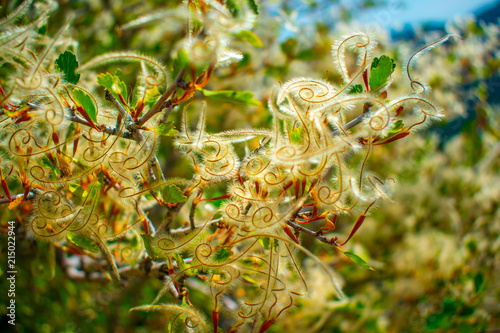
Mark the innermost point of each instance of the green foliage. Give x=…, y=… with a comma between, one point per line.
x=357, y=259
x=381, y=70
x=84, y=100
x=167, y=129
x=297, y=135
x=222, y=254
x=114, y=84
x=67, y=63
x=151, y=246
x=82, y=242
x=356, y=89
x=269, y=203
x=233, y=97
x=172, y=194
x=250, y=37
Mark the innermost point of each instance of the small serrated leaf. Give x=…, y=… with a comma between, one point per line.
x=172, y=194
x=67, y=63
x=166, y=129
x=381, y=70
x=114, y=84
x=231, y=96
x=151, y=246
x=358, y=260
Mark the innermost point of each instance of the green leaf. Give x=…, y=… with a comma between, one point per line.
x=46, y=162
x=152, y=95
x=222, y=254
x=254, y=6
x=172, y=194
x=356, y=89
x=166, y=129
x=288, y=47
x=250, y=280
x=478, y=282
x=114, y=84
x=83, y=99
x=231, y=96
x=307, y=54
x=234, y=7
x=151, y=246
x=245, y=61
x=180, y=62
x=67, y=63
x=381, y=70
x=297, y=135
x=77, y=190
x=250, y=37
x=358, y=260
x=397, y=127
x=82, y=242
x=71, y=130
x=183, y=266
x=266, y=243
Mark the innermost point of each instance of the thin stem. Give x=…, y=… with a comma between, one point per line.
x=318, y=236
x=158, y=106
x=122, y=113
x=4, y=200
x=109, y=258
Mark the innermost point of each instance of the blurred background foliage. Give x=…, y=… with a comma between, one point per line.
x=435, y=249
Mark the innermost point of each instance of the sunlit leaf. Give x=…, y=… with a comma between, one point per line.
x=84, y=100
x=395, y=133
x=152, y=95
x=250, y=37
x=82, y=242
x=358, y=260
x=114, y=84
x=381, y=70
x=172, y=194
x=166, y=129
x=231, y=96
x=15, y=202
x=297, y=135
